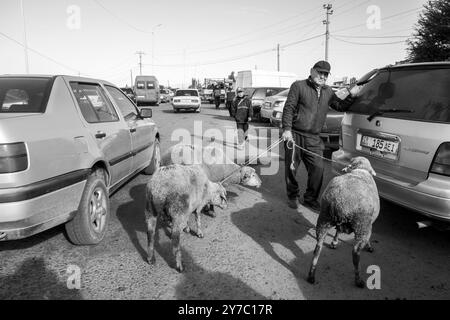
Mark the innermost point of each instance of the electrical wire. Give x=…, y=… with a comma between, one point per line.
x=367, y=44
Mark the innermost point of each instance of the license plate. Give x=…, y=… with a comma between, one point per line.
x=379, y=144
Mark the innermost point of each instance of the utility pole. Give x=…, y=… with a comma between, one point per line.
x=25, y=47
x=326, y=23
x=278, y=57
x=131, y=78
x=140, y=53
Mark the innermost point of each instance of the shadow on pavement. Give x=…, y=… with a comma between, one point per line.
x=29, y=281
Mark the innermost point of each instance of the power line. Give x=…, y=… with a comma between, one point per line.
x=375, y=37
x=120, y=19
x=39, y=53
x=368, y=44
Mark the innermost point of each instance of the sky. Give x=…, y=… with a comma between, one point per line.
x=201, y=39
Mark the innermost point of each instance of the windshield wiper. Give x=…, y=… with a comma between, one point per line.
x=380, y=112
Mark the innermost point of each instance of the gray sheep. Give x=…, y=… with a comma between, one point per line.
x=351, y=204
x=214, y=162
x=173, y=193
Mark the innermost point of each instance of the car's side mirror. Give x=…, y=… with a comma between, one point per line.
x=146, y=113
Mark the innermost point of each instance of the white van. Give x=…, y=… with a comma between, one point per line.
x=146, y=89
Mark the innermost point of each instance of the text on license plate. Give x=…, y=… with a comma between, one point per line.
x=379, y=144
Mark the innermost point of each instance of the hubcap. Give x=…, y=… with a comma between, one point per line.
x=97, y=209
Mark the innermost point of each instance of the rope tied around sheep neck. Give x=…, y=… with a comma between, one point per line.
x=273, y=145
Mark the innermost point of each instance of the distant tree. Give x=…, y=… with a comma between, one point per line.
x=431, y=40
x=231, y=76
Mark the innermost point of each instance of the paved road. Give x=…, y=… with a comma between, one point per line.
x=258, y=248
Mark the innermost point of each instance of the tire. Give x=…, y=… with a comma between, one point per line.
x=176, y=110
x=89, y=225
x=198, y=110
x=155, y=162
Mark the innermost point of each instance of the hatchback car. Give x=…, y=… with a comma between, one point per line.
x=401, y=123
x=187, y=99
x=66, y=144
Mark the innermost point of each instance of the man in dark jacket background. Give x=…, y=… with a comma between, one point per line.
x=304, y=114
x=243, y=112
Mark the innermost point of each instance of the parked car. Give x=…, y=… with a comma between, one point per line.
x=330, y=131
x=257, y=97
x=272, y=101
x=67, y=143
x=401, y=123
x=187, y=99
x=130, y=93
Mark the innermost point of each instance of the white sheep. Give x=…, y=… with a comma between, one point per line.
x=351, y=204
x=173, y=193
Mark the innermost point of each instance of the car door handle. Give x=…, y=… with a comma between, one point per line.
x=132, y=129
x=100, y=135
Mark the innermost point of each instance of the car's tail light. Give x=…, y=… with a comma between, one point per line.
x=441, y=163
x=176, y=100
x=341, y=144
x=278, y=103
x=13, y=157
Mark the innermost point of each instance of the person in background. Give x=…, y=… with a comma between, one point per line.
x=229, y=101
x=243, y=112
x=216, y=94
x=304, y=114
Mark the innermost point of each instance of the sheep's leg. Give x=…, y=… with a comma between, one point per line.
x=368, y=246
x=356, y=257
x=152, y=220
x=176, y=234
x=321, y=232
x=335, y=240
x=199, y=223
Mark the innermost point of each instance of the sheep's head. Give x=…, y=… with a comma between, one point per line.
x=359, y=163
x=249, y=177
x=219, y=196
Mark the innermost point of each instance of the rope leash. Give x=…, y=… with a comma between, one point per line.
x=273, y=145
x=310, y=152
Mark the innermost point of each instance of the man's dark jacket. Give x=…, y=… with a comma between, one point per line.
x=305, y=112
x=242, y=109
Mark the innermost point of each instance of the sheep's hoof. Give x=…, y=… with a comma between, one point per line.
x=151, y=260
x=333, y=245
x=180, y=267
x=370, y=249
x=359, y=283
x=187, y=230
x=312, y=279
x=200, y=234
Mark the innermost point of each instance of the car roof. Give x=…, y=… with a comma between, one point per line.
x=67, y=77
x=417, y=64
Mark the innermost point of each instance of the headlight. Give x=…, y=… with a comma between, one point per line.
x=278, y=103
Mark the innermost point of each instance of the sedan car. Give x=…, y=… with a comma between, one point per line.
x=187, y=99
x=400, y=121
x=165, y=96
x=66, y=144
x=330, y=131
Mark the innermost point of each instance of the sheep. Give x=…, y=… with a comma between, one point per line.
x=216, y=165
x=173, y=193
x=350, y=203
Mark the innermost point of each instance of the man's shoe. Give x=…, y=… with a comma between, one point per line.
x=293, y=203
x=313, y=205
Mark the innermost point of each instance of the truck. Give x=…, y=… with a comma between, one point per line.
x=208, y=88
x=264, y=78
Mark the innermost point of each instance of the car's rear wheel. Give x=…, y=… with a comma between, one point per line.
x=90, y=223
x=155, y=162
x=176, y=110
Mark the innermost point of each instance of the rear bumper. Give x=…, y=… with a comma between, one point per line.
x=186, y=106
x=430, y=197
x=30, y=209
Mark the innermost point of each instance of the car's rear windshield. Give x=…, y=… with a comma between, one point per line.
x=283, y=93
x=424, y=91
x=24, y=95
x=186, y=93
